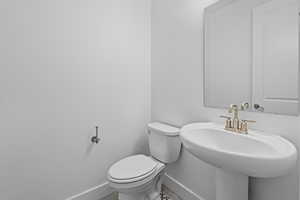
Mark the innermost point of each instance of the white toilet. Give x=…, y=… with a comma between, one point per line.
x=139, y=177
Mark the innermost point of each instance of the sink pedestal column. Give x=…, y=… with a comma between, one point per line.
x=231, y=185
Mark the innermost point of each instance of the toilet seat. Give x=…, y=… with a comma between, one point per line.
x=132, y=169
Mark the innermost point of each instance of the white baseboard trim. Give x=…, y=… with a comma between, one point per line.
x=103, y=190
x=182, y=191
x=94, y=193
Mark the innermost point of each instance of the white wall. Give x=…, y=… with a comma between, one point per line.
x=176, y=58
x=65, y=67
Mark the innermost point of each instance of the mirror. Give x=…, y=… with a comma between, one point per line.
x=251, y=55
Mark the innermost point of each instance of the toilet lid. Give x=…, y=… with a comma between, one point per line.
x=132, y=167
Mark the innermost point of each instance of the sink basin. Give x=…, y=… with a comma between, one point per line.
x=255, y=154
x=238, y=156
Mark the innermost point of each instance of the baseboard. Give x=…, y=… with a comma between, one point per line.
x=181, y=190
x=94, y=193
x=103, y=190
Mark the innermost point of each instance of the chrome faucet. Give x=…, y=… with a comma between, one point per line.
x=235, y=124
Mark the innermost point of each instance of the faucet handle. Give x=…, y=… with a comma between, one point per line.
x=244, y=125
x=225, y=117
x=248, y=121
x=228, y=123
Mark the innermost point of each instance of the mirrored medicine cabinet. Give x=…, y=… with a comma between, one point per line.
x=251, y=54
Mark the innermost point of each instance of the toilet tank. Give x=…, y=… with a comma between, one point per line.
x=164, y=142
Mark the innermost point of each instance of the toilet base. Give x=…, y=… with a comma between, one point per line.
x=151, y=192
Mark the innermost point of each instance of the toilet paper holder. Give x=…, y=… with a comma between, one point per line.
x=95, y=138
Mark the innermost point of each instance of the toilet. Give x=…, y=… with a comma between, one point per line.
x=139, y=177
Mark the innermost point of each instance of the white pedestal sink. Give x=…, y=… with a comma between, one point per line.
x=238, y=156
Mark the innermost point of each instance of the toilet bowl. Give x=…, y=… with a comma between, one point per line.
x=136, y=177
x=139, y=177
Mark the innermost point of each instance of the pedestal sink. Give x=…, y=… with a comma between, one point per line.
x=238, y=156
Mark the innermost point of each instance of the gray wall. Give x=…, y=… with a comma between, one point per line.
x=65, y=67
x=177, y=98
